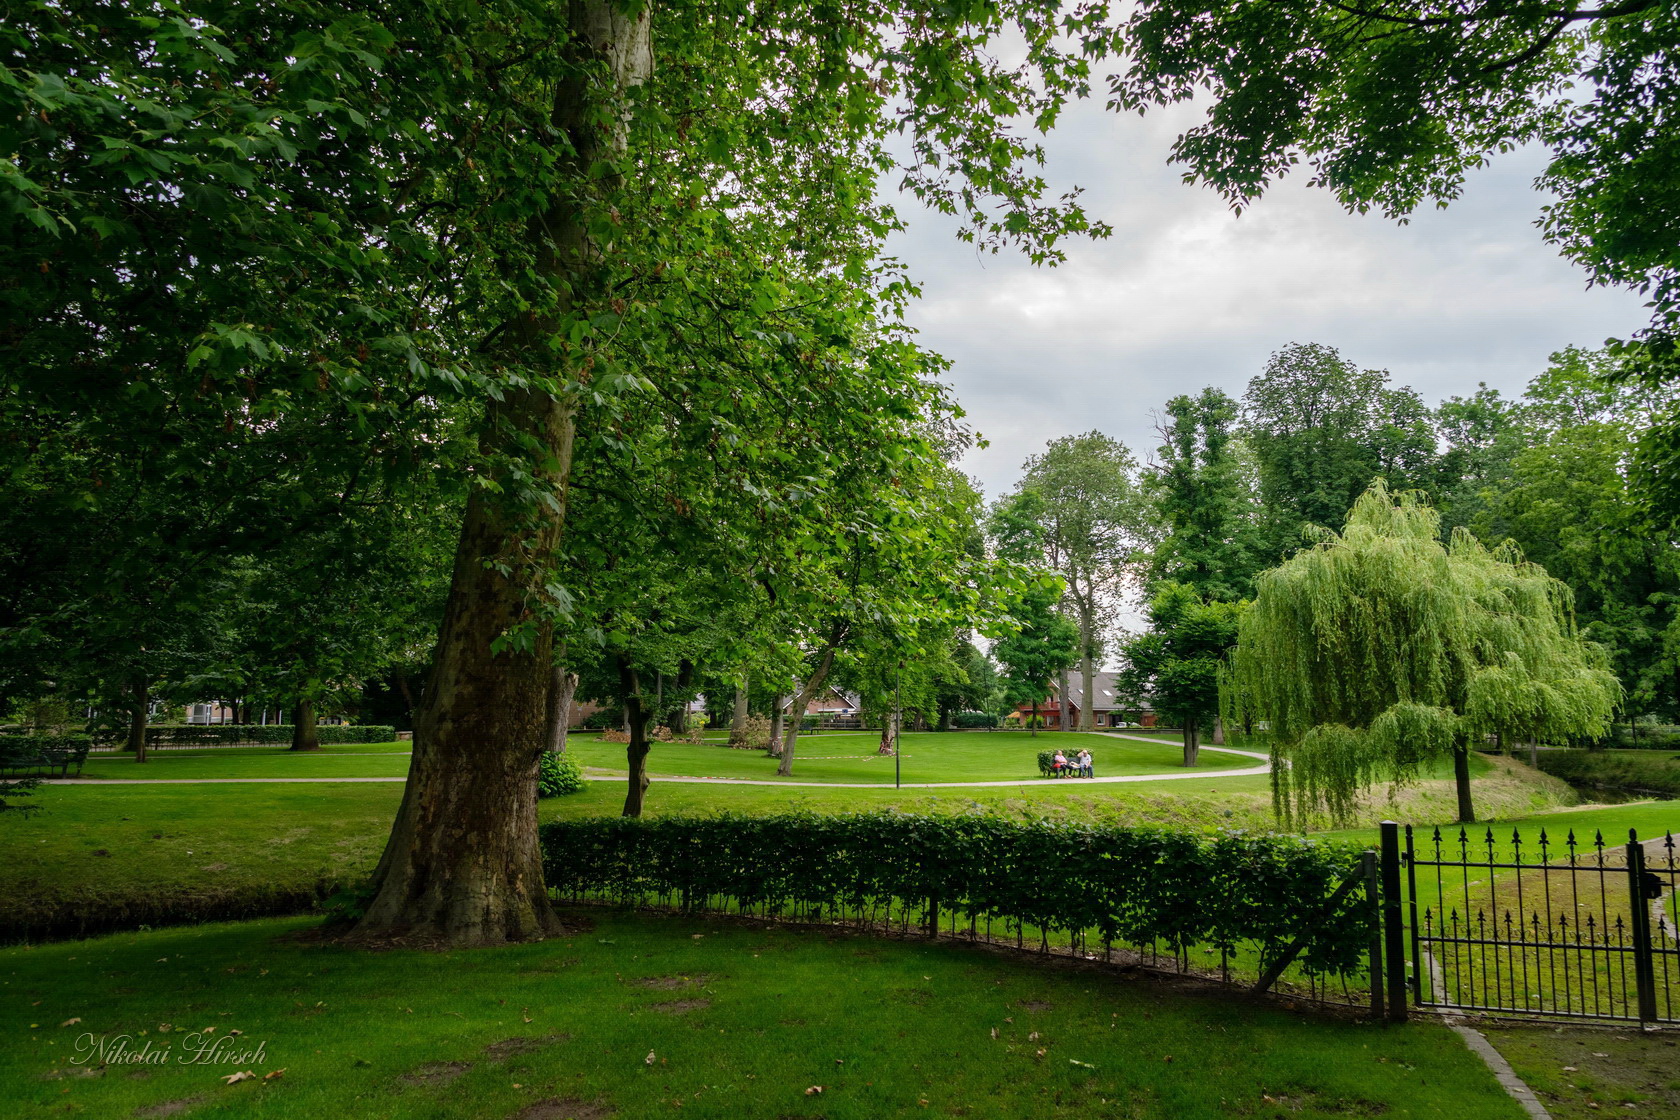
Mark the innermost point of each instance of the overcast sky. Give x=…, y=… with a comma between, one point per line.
x=1185, y=294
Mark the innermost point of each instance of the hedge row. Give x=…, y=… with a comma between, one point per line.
x=48, y=915
x=1126, y=886
x=232, y=734
x=38, y=752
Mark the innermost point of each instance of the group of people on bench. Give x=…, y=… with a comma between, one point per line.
x=1077, y=767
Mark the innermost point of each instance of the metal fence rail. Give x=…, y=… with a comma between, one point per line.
x=1577, y=929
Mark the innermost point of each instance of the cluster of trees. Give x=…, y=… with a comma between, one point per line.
x=594, y=293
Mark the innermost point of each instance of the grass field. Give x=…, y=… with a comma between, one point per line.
x=827, y=757
x=640, y=1016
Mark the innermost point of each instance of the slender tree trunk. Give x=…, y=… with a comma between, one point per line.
x=1218, y=738
x=137, y=715
x=463, y=866
x=1088, y=681
x=408, y=698
x=636, y=751
x=738, y=716
x=1192, y=740
x=1534, y=753
x=774, y=746
x=562, y=686
x=1034, y=724
x=1461, y=778
x=304, y=735
x=1064, y=703
x=806, y=694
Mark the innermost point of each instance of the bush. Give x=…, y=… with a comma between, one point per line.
x=974, y=719
x=165, y=735
x=559, y=775
x=1131, y=886
x=603, y=719
x=36, y=753
x=754, y=736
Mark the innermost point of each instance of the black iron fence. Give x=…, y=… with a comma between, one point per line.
x=1542, y=927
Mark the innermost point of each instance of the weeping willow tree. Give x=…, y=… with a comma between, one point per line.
x=1381, y=648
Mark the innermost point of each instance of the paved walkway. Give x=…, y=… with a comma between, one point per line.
x=1263, y=768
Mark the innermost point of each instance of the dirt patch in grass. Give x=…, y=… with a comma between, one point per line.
x=1579, y=1072
x=682, y=1006
x=568, y=1108
x=670, y=983
x=166, y=1108
x=435, y=1073
x=519, y=1044
x=1034, y=1004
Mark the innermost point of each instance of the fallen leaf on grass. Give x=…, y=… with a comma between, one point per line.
x=242, y=1075
x=813, y=1090
x=1077, y=1062
x=994, y=1032
x=1595, y=1055
x=275, y=1074
x=1033, y=1037
x=1569, y=1069
x=73, y=1022
x=649, y=1059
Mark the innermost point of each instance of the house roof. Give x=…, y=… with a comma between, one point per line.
x=1102, y=683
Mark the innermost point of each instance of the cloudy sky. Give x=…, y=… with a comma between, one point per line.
x=1184, y=294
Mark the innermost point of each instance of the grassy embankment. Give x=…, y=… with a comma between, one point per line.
x=1635, y=771
x=639, y=1016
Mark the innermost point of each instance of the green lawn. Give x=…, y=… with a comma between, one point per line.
x=954, y=756
x=643, y=1016
x=838, y=757
x=351, y=760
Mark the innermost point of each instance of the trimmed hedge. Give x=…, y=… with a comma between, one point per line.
x=1126, y=886
x=164, y=735
x=968, y=720
x=35, y=753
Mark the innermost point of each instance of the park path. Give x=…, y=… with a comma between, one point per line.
x=1264, y=768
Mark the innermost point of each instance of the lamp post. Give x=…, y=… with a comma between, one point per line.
x=898, y=722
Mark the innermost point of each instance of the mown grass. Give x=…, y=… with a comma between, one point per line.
x=115, y=857
x=353, y=760
x=1579, y=1073
x=641, y=1016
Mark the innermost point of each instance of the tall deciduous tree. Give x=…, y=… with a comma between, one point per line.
x=1196, y=489
x=1177, y=663
x=1322, y=429
x=1094, y=520
x=1381, y=647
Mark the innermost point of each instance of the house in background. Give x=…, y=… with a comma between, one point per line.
x=1107, y=710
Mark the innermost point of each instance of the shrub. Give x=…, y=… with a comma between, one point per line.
x=603, y=719
x=974, y=719
x=1129, y=886
x=559, y=775
x=753, y=736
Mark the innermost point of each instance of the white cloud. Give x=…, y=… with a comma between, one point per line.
x=1186, y=294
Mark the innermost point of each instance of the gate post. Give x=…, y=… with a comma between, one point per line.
x=1394, y=931
x=1373, y=910
x=1644, y=968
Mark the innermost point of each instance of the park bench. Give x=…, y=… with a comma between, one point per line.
x=1047, y=766
x=42, y=755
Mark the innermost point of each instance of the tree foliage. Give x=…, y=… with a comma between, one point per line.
x=1382, y=647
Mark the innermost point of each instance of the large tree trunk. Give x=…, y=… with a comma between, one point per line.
x=1218, y=737
x=1192, y=740
x=305, y=737
x=738, y=717
x=562, y=686
x=462, y=866
x=1461, y=777
x=803, y=698
x=137, y=716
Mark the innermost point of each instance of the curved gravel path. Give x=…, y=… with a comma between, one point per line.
x=1264, y=768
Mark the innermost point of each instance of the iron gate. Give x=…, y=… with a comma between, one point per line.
x=1573, y=929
